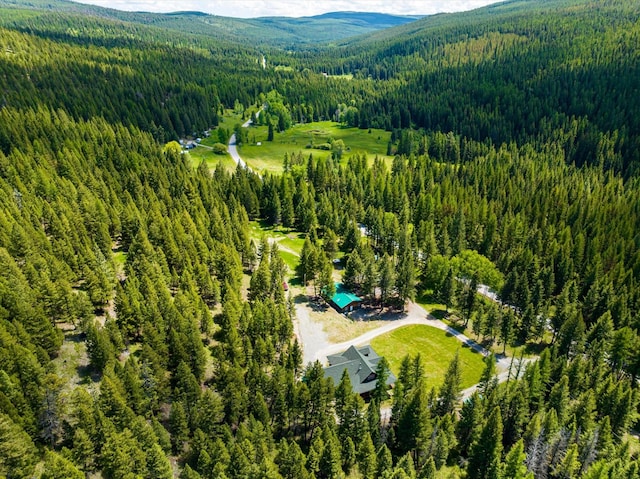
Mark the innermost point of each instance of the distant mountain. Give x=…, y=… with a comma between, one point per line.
x=282, y=32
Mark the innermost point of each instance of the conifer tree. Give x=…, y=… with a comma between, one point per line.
x=387, y=279
x=58, y=467
x=450, y=391
x=367, y=460
x=447, y=290
x=514, y=464
x=484, y=459
x=17, y=451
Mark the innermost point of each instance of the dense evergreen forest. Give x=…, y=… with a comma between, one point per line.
x=515, y=130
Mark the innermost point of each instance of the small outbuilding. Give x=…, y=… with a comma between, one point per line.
x=360, y=364
x=344, y=300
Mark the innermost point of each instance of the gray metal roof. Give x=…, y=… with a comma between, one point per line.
x=360, y=364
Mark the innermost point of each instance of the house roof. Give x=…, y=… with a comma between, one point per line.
x=360, y=364
x=344, y=297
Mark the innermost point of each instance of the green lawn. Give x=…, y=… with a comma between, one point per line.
x=436, y=348
x=269, y=155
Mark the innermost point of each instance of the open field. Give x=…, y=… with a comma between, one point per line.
x=436, y=348
x=200, y=154
x=268, y=157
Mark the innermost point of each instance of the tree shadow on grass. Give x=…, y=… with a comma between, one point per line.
x=439, y=313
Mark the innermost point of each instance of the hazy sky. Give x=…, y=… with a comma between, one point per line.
x=293, y=8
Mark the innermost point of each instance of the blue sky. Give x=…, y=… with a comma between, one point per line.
x=293, y=8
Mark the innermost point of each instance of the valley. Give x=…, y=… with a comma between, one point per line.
x=257, y=248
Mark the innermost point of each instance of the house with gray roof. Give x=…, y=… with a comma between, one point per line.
x=360, y=364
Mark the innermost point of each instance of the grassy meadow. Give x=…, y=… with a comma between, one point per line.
x=269, y=155
x=199, y=154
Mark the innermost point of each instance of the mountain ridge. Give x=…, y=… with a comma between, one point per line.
x=276, y=31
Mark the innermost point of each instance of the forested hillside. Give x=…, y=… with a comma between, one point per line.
x=564, y=71
x=130, y=345
x=281, y=32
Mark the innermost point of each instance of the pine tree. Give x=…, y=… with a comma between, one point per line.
x=570, y=464
x=260, y=285
x=414, y=425
x=17, y=451
x=385, y=461
x=468, y=427
x=308, y=261
x=291, y=461
x=83, y=452
x=325, y=280
x=58, y=467
x=448, y=290
x=428, y=470
x=367, y=460
x=380, y=394
x=507, y=327
x=330, y=466
x=179, y=427
x=484, y=459
x=188, y=473
x=488, y=373
x=387, y=279
x=406, y=277
x=353, y=271
x=514, y=464
x=450, y=392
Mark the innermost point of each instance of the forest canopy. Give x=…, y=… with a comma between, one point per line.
x=145, y=332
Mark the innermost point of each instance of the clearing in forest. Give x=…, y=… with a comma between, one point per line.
x=311, y=138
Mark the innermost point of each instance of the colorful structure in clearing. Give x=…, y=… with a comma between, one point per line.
x=344, y=300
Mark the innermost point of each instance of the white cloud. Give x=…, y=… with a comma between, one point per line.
x=293, y=8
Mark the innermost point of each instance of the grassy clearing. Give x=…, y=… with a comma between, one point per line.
x=289, y=243
x=346, y=76
x=287, y=238
x=340, y=328
x=229, y=121
x=293, y=241
x=292, y=261
x=269, y=155
x=436, y=348
x=71, y=365
x=120, y=258
x=428, y=301
x=200, y=154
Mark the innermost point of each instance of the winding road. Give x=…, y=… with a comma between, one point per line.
x=316, y=345
x=233, y=145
